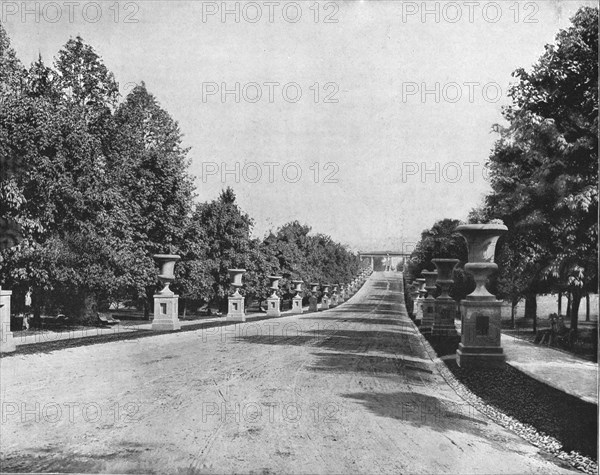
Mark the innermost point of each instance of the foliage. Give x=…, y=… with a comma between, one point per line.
x=441, y=241
x=95, y=186
x=544, y=167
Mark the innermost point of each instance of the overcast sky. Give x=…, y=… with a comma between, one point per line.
x=362, y=155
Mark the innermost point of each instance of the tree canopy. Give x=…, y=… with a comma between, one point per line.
x=96, y=184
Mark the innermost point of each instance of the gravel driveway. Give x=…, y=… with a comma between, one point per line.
x=349, y=390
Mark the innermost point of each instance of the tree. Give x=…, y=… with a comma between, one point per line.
x=544, y=166
x=441, y=241
x=149, y=165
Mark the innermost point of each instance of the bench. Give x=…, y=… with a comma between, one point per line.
x=107, y=319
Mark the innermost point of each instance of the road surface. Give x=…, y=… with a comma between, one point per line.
x=349, y=390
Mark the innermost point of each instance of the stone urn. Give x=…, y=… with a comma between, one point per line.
x=446, y=309
x=166, y=274
x=297, y=287
x=421, y=287
x=430, y=280
x=235, y=275
x=273, y=302
x=326, y=289
x=166, y=303
x=274, y=284
x=445, y=270
x=481, y=240
x=481, y=332
x=419, y=300
x=314, y=288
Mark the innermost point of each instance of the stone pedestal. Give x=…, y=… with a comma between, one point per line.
x=428, y=302
x=166, y=303
x=427, y=315
x=235, y=308
x=325, y=302
x=419, y=302
x=274, y=302
x=313, y=304
x=7, y=341
x=296, y=304
x=446, y=311
x=481, y=331
x=166, y=311
x=273, y=307
x=481, y=312
x=445, y=306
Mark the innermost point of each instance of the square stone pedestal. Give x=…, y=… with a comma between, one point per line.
x=446, y=311
x=325, y=303
x=166, y=316
x=296, y=305
x=427, y=315
x=235, y=309
x=313, y=305
x=334, y=301
x=342, y=297
x=273, y=308
x=7, y=341
x=480, y=341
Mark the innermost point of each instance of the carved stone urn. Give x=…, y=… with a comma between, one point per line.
x=419, y=301
x=325, y=298
x=274, y=302
x=274, y=284
x=166, y=273
x=235, y=309
x=445, y=307
x=166, y=303
x=334, y=295
x=235, y=275
x=481, y=328
x=481, y=240
x=297, y=300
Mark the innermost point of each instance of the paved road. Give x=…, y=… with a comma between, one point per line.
x=350, y=390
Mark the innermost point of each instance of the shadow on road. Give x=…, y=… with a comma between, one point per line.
x=422, y=410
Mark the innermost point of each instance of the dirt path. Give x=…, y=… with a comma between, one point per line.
x=350, y=390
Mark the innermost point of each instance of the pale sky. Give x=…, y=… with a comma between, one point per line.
x=361, y=157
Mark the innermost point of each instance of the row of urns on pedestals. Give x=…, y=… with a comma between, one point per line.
x=480, y=312
x=166, y=275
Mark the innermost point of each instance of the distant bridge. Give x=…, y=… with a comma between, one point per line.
x=391, y=259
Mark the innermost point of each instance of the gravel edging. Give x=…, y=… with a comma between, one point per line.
x=525, y=431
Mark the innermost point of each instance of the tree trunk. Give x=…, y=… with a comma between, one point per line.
x=587, y=307
x=569, y=301
x=36, y=303
x=86, y=307
x=531, y=309
x=559, y=303
x=575, y=309
x=149, y=304
x=513, y=311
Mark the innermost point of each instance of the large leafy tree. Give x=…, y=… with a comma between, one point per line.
x=79, y=247
x=149, y=166
x=94, y=188
x=544, y=167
